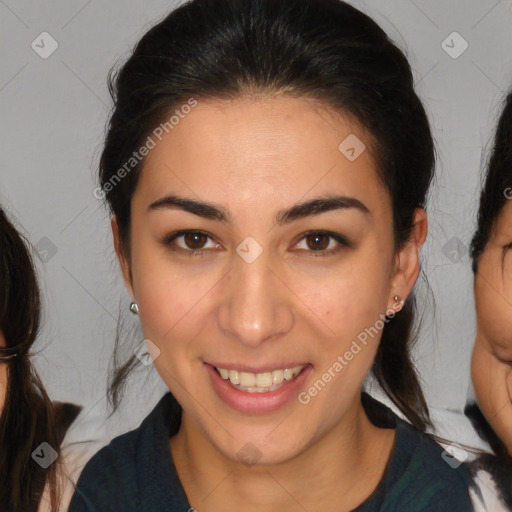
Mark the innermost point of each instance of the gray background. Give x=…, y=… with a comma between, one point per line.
x=53, y=115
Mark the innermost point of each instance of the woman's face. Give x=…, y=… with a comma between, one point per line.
x=260, y=295
x=493, y=287
x=492, y=356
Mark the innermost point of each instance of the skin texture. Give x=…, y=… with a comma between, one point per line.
x=491, y=364
x=254, y=158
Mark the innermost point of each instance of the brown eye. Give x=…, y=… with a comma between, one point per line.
x=318, y=241
x=195, y=240
x=193, y=243
x=322, y=243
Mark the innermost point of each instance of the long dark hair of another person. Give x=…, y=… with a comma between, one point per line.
x=28, y=417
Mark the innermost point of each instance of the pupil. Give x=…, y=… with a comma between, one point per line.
x=318, y=241
x=194, y=238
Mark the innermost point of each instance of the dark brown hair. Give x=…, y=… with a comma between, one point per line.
x=28, y=418
x=497, y=187
x=323, y=50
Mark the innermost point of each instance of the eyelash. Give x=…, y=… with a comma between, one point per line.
x=342, y=241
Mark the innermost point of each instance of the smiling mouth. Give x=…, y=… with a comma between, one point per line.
x=260, y=382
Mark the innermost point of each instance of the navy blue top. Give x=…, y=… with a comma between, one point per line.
x=135, y=473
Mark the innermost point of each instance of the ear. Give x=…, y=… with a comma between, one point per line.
x=407, y=262
x=124, y=263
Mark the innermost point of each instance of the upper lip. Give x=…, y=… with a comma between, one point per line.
x=256, y=369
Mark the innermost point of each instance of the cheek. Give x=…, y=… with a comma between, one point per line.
x=170, y=301
x=363, y=288
x=493, y=301
x=351, y=303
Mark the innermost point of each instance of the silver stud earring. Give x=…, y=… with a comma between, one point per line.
x=396, y=298
x=134, y=308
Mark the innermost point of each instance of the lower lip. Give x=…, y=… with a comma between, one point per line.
x=256, y=402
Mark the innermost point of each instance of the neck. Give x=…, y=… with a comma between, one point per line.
x=339, y=471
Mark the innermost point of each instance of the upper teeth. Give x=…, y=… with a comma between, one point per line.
x=263, y=381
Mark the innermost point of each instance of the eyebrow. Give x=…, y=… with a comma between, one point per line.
x=211, y=211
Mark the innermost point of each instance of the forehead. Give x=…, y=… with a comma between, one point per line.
x=256, y=150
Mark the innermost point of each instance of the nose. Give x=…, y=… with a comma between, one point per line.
x=256, y=305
